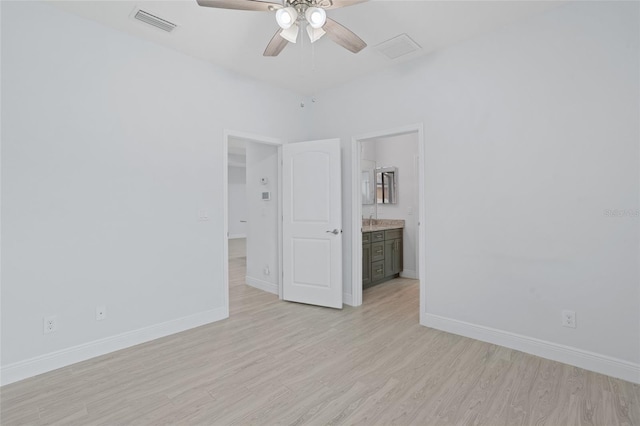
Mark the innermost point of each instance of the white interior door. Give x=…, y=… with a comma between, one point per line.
x=312, y=223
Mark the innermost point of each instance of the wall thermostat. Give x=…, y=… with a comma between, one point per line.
x=264, y=180
x=266, y=196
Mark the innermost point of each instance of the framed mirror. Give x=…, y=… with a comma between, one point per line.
x=386, y=185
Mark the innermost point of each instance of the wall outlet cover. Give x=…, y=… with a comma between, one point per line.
x=569, y=319
x=50, y=324
x=101, y=313
x=203, y=215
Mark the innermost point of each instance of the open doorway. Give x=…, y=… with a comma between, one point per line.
x=252, y=193
x=293, y=194
x=388, y=208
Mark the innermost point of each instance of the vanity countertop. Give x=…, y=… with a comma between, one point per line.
x=381, y=224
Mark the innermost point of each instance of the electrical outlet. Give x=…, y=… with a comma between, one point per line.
x=569, y=319
x=266, y=270
x=203, y=215
x=101, y=313
x=49, y=324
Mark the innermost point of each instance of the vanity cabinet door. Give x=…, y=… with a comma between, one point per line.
x=393, y=257
x=399, y=256
x=366, y=264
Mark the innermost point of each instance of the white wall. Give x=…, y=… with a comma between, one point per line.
x=238, y=210
x=532, y=133
x=402, y=151
x=110, y=147
x=262, y=229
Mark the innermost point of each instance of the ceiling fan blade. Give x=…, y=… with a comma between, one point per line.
x=276, y=45
x=344, y=36
x=261, y=6
x=335, y=4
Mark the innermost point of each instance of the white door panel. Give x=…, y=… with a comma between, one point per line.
x=312, y=251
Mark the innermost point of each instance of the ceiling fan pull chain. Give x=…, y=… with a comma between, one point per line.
x=302, y=49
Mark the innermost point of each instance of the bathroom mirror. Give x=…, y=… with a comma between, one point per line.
x=386, y=183
x=367, y=182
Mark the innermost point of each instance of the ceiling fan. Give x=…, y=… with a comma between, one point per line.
x=291, y=15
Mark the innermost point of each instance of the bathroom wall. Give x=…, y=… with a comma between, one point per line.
x=368, y=188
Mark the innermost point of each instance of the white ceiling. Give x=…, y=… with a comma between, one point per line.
x=236, y=39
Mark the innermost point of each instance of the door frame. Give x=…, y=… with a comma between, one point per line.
x=356, y=208
x=225, y=198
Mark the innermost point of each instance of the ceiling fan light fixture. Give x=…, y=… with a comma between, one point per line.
x=316, y=17
x=315, y=34
x=286, y=17
x=290, y=34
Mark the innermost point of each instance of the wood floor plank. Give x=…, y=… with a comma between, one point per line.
x=274, y=362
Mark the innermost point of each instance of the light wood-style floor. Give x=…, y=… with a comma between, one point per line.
x=274, y=362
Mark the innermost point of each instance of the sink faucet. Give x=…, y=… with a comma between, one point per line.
x=371, y=219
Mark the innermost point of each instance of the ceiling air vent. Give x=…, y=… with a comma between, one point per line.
x=398, y=46
x=153, y=20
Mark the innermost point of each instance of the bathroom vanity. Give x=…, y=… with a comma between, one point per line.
x=381, y=250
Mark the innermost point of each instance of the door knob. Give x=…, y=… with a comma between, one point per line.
x=334, y=232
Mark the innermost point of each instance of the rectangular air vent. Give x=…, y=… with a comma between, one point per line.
x=153, y=20
x=398, y=46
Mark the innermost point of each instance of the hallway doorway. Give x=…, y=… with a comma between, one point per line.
x=252, y=226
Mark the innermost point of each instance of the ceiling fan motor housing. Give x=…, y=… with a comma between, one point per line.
x=301, y=6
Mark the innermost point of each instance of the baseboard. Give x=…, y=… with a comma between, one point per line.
x=262, y=285
x=237, y=236
x=347, y=299
x=409, y=274
x=610, y=366
x=44, y=363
